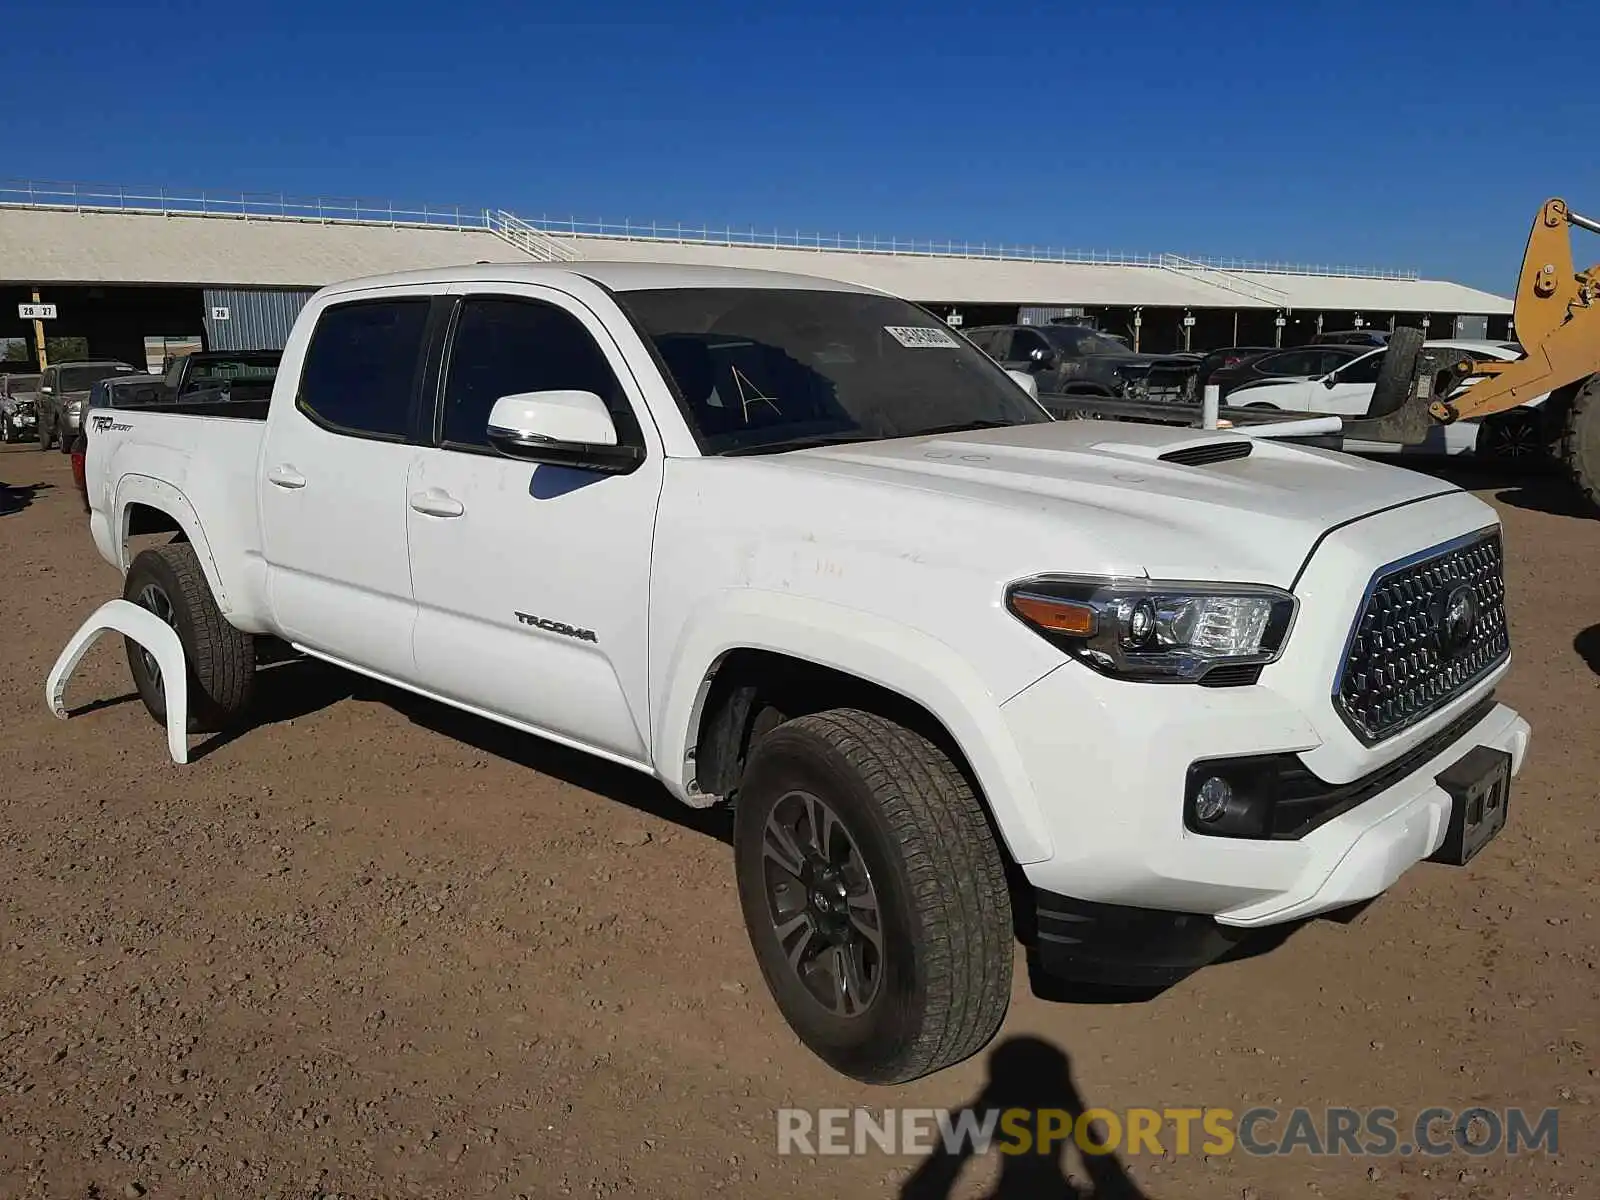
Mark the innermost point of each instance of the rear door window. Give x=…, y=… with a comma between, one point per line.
x=1295, y=362
x=361, y=368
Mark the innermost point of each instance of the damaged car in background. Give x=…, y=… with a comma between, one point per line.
x=1075, y=360
x=19, y=407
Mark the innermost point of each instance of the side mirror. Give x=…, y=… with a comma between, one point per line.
x=1026, y=382
x=568, y=429
x=1041, y=358
x=1331, y=378
x=46, y=390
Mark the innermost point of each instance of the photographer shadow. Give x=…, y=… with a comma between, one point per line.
x=1026, y=1073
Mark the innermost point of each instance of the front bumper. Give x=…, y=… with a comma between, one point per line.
x=1112, y=797
x=1109, y=760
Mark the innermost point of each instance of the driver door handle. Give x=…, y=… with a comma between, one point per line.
x=285, y=476
x=436, y=502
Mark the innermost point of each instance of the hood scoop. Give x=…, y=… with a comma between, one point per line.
x=1192, y=452
x=1207, y=453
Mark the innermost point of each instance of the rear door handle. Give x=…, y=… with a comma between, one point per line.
x=285, y=476
x=436, y=503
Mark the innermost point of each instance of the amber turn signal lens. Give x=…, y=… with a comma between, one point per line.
x=1055, y=616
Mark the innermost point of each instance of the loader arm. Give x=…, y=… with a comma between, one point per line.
x=1556, y=319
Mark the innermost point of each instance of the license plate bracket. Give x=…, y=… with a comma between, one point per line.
x=1479, y=786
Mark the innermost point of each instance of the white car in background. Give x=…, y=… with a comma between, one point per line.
x=1347, y=392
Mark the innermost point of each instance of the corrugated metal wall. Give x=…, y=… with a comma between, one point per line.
x=256, y=318
x=1033, y=314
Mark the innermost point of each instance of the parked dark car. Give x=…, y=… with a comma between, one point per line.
x=1228, y=356
x=19, y=407
x=1077, y=360
x=1301, y=362
x=63, y=393
x=1367, y=338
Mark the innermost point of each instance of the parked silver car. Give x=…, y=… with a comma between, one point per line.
x=63, y=393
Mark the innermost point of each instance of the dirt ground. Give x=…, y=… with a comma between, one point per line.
x=371, y=947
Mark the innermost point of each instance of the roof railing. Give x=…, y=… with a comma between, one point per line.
x=274, y=206
x=283, y=206
x=1228, y=281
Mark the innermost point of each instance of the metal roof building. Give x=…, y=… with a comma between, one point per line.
x=46, y=245
x=132, y=273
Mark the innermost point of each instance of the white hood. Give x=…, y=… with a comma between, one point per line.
x=1102, y=488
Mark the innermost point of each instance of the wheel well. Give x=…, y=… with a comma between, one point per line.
x=752, y=691
x=146, y=518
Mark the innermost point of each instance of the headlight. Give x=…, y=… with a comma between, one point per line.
x=75, y=407
x=1156, y=632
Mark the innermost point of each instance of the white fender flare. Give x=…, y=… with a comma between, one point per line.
x=903, y=660
x=156, y=636
x=164, y=497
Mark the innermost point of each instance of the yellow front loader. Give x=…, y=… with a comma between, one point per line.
x=1557, y=321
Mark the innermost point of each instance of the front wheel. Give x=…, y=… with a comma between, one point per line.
x=65, y=439
x=874, y=895
x=1580, y=441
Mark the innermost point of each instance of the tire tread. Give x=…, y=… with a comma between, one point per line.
x=221, y=659
x=1580, y=441
x=957, y=879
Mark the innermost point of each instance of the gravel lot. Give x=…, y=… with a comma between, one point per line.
x=375, y=948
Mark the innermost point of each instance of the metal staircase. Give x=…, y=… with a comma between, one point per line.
x=531, y=240
x=1229, y=281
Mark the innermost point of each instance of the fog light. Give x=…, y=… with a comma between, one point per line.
x=1211, y=801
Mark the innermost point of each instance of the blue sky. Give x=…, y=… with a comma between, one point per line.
x=1357, y=132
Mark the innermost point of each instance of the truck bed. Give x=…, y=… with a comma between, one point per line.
x=187, y=460
x=238, y=410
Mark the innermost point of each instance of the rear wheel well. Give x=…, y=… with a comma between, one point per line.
x=146, y=518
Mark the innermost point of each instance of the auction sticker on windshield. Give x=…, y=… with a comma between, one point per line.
x=918, y=336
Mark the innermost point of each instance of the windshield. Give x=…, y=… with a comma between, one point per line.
x=765, y=367
x=16, y=385
x=1079, y=341
x=81, y=379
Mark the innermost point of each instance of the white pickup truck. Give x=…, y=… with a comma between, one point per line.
x=962, y=671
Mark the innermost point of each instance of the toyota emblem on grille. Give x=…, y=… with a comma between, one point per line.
x=1457, y=618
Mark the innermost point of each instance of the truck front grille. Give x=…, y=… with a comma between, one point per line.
x=1430, y=627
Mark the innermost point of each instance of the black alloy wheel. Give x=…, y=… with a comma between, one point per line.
x=822, y=905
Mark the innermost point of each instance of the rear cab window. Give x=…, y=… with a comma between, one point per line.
x=361, y=368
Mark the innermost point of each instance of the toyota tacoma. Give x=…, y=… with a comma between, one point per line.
x=962, y=672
